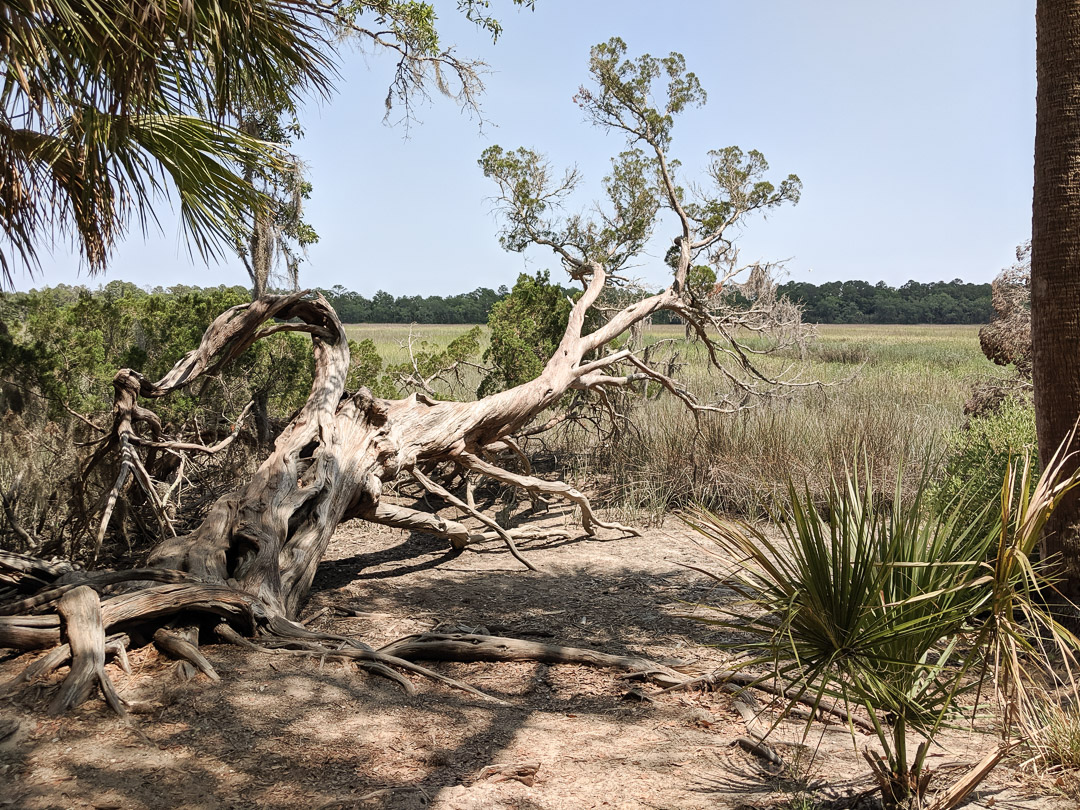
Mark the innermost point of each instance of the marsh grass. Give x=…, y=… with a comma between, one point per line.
x=1058, y=742
x=894, y=392
x=392, y=339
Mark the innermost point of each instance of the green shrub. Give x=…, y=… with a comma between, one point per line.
x=526, y=328
x=977, y=455
x=65, y=344
x=366, y=369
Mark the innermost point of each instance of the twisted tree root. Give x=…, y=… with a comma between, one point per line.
x=80, y=611
x=98, y=582
x=183, y=645
x=115, y=645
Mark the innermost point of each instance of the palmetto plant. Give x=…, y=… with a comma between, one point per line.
x=885, y=609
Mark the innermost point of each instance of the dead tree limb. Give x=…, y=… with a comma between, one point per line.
x=589, y=521
x=474, y=647
x=766, y=684
x=181, y=645
x=446, y=495
x=115, y=645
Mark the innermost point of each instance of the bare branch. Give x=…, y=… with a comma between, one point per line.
x=589, y=521
x=443, y=493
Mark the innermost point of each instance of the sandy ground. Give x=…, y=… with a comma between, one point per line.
x=281, y=732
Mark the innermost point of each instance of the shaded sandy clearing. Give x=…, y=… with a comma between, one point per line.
x=291, y=733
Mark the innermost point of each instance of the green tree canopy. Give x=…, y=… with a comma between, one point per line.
x=526, y=327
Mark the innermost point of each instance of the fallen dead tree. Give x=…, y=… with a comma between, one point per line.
x=246, y=570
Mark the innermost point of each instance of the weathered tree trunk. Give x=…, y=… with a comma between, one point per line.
x=80, y=610
x=331, y=462
x=1055, y=259
x=252, y=560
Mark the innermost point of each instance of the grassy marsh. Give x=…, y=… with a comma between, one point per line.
x=892, y=395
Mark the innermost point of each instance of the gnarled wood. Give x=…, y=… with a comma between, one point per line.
x=183, y=645
x=589, y=521
x=765, y=683
x=32, y=566
x=97, y=581
x=331, y=463
x=29, y=632
x=475, y=647
x=115, y=645
x=161, y=601
x=253, y=558
x=80, y=610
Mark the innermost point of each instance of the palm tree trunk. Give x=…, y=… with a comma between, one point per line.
x=1055, y=257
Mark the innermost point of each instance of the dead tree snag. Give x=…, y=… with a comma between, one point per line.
x=249, y=565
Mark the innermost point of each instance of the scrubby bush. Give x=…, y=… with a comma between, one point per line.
x=64, y=345
x=977, y=455
x=526, y=328
x=366, y=369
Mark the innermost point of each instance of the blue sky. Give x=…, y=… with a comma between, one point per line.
x=910, y=124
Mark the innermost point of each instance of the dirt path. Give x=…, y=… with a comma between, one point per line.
x=295, y=733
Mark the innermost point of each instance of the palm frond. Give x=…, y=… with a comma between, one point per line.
x=105, y=106
x=870, y=605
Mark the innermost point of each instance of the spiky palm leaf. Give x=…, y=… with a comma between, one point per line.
x=106, y=105
x=870, y=604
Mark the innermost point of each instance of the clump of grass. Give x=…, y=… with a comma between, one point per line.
x=1057, y=743
x=846, y=353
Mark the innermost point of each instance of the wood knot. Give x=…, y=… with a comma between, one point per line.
x=373, y=409
x=127, y=380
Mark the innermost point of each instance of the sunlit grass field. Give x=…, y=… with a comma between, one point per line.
x=951, y=348
x=392, y=339
x=889, y=399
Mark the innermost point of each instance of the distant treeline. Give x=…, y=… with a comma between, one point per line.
x=914, y=302
x=470, y=307
x=832, y=302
